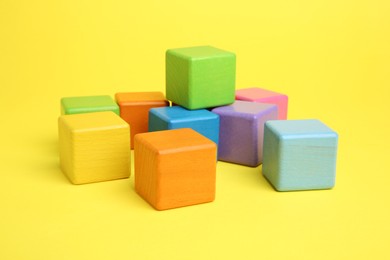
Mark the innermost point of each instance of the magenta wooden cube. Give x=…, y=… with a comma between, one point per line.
x=265, y=96
x=241, y=131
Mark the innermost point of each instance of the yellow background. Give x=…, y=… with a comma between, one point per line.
x=331, y=57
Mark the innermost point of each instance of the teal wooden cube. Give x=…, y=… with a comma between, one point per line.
x=200, y=77
x=299, y=155
x=88, y=104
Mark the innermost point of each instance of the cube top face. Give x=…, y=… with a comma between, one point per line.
x=200, y=77
x=87, y=104
x=137, y=97
x=245, y=109
x=265, y=96
x=200, y=52
x=311, y=128
x=93, y=121
x=171, y=141
x=253, y=94
x=178, y=114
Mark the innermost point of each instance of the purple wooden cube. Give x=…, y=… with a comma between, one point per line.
x=241, y=131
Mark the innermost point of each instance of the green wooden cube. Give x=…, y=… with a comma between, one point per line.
x=87, y=104
x=200, y=77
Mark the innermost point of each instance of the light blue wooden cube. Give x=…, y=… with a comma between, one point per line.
x=299, y=155
x=202, y=120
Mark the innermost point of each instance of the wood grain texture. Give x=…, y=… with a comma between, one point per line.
x=265, y=96
x=94, y=147
x=200, y=77
x=134, y=109
x=299, y=155
x=176, y=117
x=87, y=104
x=174, y=168
x=241, y=131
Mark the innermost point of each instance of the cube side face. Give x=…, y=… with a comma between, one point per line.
x=66, y=153
x=208, y=127
x=177, y=78
x=101, y=155
x=88, y=104
x=156, y=121
x=212, y=81
x=145, y=170
x=186, y=177
x=271, y=157
x=308, y=163
x=202, y=121
x=270, y=114
x=238, y=140
x=281, y=101
x=137, y=116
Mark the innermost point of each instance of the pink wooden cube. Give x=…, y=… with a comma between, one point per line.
x=265, y=96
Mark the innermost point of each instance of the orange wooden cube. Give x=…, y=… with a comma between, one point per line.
x=175, y=168
x=134, y=109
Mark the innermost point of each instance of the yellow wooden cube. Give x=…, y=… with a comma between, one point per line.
x=94, y=147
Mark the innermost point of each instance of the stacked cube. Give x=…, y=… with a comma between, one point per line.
x=176, y=147
x=197, y=78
